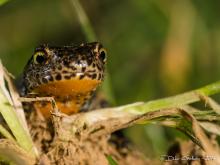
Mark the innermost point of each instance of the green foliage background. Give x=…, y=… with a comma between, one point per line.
x=156, y=48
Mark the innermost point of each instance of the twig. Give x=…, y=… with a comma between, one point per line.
x=56, y=114
x=49, y=99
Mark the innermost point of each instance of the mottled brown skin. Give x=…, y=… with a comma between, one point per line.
x=70, y=74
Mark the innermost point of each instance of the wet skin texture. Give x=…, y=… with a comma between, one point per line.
x=70, y=74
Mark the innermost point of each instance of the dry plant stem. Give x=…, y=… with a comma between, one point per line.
x=49, y=99
x=116, y=118
x=210, y=127
x=54, y=109
x=104, y=121
x=56, y=114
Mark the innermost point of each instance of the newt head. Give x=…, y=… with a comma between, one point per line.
x=69, y=73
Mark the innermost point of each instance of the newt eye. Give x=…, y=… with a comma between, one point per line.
x=103, y=54
x=39, y=58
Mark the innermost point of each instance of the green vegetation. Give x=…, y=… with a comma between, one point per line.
x=3, y=2
x=111, y=161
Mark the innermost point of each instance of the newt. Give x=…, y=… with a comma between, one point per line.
x=70, y=74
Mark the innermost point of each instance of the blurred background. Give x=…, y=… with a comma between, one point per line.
x=156, y=48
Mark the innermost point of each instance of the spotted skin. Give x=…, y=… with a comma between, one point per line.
x=70, y=74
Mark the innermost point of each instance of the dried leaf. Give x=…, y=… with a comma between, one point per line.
x=9, y=151
x=211, y=127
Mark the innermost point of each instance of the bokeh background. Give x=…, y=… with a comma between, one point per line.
x=156, y=48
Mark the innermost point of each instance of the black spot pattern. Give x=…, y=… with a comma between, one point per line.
x=44, y=80
x=58, y=77
x=94, y=76
x=67, y=77
x=81, y=77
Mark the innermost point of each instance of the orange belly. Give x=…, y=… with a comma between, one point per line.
x=69, y=95
x=66, y=88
